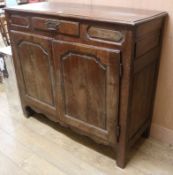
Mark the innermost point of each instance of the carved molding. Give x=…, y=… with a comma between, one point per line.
x=99, y=64
x=22, y=44
x=19, y=21
x=105, y=35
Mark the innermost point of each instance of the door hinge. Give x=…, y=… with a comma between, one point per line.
x=118, y=130
x=121, y=69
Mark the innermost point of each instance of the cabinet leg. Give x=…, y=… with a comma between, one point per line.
x=27, y=111
x=121, y=162
x=121, y=158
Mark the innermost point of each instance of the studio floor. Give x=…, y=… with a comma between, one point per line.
x=37, y=146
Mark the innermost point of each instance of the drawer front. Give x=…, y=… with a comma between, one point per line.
x=100, y=34
x=104, y=34
x=19, y=21
x=110, y=36
x=57, y=26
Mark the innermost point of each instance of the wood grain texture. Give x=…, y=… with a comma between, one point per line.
x=34, y=57
x=19, y=21
x=57, y=26
x=141, y=98
x=99, y=88
x=105, y=34
x=92, y=12
x=89, y=76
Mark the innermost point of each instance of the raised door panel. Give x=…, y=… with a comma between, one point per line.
x=89, y=88
x=33, y=56
x=84, y=88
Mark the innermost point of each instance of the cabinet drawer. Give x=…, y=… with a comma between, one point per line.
x=57, y=26
x=19, y=21
x=102, y=34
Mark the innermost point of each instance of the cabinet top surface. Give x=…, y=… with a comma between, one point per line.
x=90, y=12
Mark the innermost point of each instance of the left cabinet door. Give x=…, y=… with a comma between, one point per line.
x=35, y=72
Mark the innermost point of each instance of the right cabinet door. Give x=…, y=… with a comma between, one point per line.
x=88, y=88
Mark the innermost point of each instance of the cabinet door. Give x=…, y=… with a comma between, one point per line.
x=35, y=71
x=88, y=93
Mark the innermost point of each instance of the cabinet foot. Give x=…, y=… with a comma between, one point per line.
x=121, y=158
x=121, y=162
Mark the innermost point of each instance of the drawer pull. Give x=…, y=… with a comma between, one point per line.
x=52, y=25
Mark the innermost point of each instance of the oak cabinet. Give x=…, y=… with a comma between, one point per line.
x=92, y=69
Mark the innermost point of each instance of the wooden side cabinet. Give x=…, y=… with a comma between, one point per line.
x=92, y=69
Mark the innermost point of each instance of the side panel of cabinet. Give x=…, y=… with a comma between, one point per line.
x=35, y=71
x=88, y=80
x=145, y=72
